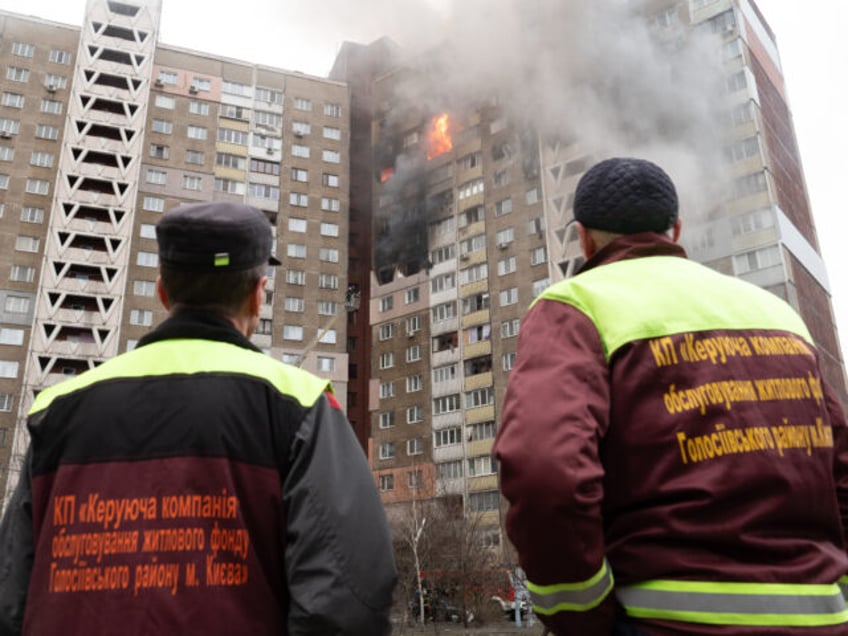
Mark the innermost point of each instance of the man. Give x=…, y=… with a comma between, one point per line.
x=195, y=485
x=668, y=426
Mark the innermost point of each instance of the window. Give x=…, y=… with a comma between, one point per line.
x=22, y=49
x=750, y=184
x=7, y=153
x=295, y=277
x=298, y=199
x=329, y=229
x=298, y=150
x=481, y=465
x=413, y=353
x=17, y=304
x=9, y=336
x=232, y=136
x=387, y=450
x=328, y=281
x=194, y=157
x=387, y=482
x=301, y=103
x=55, y=82
x=540, y=285
x=231, y=111
x=508, y=296
x=147, y=259
x=447, y=437
x=329, y=255
x=296, y=250
x=449, y=470
x=297, y=225
x=478, y=333
x=12, y=127
x=387, y=303
x=32, y=215
x=22, y=274
x=263, y=191
x=414, y=414
x=198, y=108
x=470, y=188
x=736, y=82
x=27, y=243
x=38, y=186
x=16, y=74
x=301, y=128
x=387, y=360
x=268, y=95
x=483, y=501
x=8, y=369
x=165, y=101
x=332, y=133
x=43, y=131
x=446, y=404
x=158, y=151
x=480, y=397
x=197, y=132
x=12, y=100
x=503, y=207
x=387, y=390
x=292, y=332
x=444, y=311
x=143, y=317
x=752, y=222
x=445, y=373
x=387, y=331
x=156, y=177
x=236, y=88
x=442, y=254
x=508, y=361
x=331, y=156
x=201, y=84
x=414, y=478
x=414, y=383
x=192, y=182
x=481, y=431
x=162, y=126
x=296, y=305
x=539, y=256
x=330, y=180
x=329, y=204
x=6, y=400
x=505, y=236
x=147, y=230
x=443, y=282
x=332, y=110
x=229, y=185
x=4, y=182
x=506, y=266
x=328, y=308
x=414, y=446
x=299, y=174
x=59, y=57
x=756, y=260
x=326, y=364
x=153, y=204
x=144, y=288
x=264, y=118
x=386, y=419
x=509, y=328
x=473, y=274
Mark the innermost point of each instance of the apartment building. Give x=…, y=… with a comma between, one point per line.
x=102, y=129
x=467, y=233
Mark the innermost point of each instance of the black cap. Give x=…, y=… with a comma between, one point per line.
x=626, y=196
x=215, y=236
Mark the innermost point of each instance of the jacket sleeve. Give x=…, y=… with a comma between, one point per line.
x=339, y=561
x=556, y=411
x=16, y=552
x=840, y=456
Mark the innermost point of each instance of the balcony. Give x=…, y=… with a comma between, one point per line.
x=477, y=349
x=481, y=317
x=440, y=358
x=479, y=381
x=480, y=414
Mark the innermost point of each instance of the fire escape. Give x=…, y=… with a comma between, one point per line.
x=84, y=272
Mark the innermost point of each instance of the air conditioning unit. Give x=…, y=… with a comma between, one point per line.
x=269, y=150
x=5, y=134
x=298, y=134
x=159, y=83
x=193, y=90
x=502, y=246
x=464, y=257
x=51, y=88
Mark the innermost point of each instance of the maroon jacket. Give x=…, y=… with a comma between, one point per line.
x=598, y=459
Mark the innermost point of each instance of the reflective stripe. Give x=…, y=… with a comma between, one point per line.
x=573, y=597
x=843, y=585
x=752, y=604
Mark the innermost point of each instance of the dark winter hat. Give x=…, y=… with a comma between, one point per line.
x=215, y=236
x=626, y=196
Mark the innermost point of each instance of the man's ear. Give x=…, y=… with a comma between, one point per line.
x=162, y=294
x=587, y=242
x=257, y=298
x=675, y=230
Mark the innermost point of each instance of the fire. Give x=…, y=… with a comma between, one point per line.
x=438, y=139
x=386, y=174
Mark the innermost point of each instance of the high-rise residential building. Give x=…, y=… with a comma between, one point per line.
x=102, y=129
x=472, y=220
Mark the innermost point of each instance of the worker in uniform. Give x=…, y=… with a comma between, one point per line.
x=673, y=460
x=195, y=485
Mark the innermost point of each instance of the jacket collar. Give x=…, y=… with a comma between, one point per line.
x=197, y=325
x=634, y=246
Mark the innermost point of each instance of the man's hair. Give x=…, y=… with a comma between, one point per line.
x=218, y=292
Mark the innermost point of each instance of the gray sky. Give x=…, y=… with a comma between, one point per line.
x=305, y=35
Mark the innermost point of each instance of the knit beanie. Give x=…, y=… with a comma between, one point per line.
x=626, y=196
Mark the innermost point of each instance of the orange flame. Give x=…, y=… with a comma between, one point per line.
x=438, y=140
x=386, y=174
